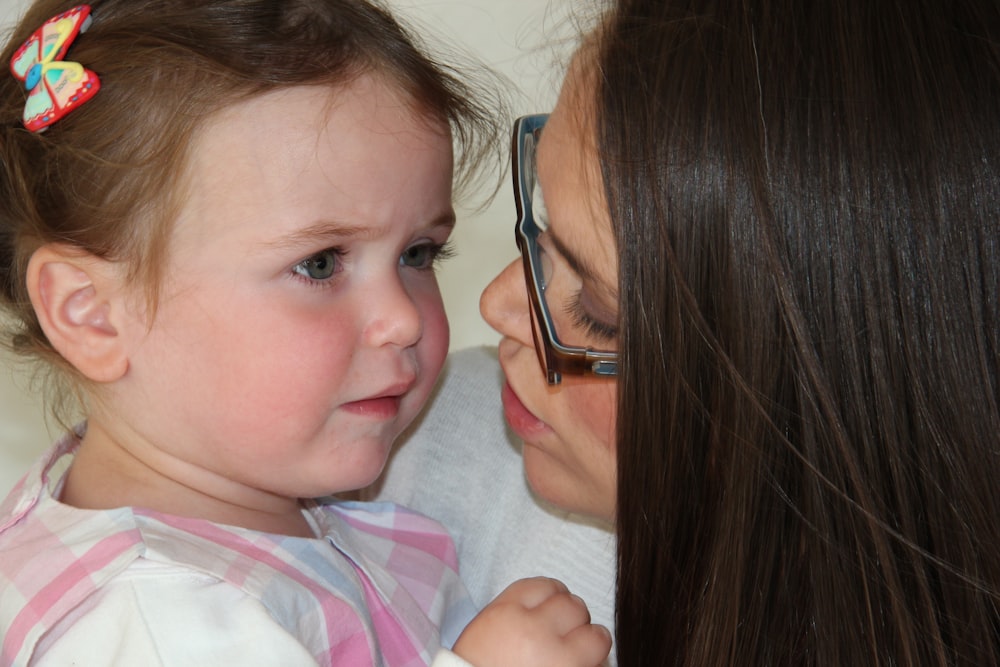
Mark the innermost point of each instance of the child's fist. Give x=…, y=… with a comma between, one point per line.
x=534, y=622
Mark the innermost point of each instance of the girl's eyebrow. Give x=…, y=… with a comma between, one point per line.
x=447, y=220
x=319, y=233
x=332, y=233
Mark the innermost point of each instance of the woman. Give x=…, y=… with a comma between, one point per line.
x=778, y=223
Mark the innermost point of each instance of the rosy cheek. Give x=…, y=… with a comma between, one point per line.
x=436, y=336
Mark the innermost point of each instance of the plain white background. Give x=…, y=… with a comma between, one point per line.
x=526, y=41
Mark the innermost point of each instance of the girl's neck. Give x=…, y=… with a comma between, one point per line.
x=105, y=474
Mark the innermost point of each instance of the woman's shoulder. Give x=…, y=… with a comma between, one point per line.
x=459, y=446
x=467, y=397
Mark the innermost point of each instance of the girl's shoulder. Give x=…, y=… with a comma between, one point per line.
x=54, y=557
x=383, y=528
x=162, y=613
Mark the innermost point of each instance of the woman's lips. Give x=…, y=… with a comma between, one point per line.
x=523, y=422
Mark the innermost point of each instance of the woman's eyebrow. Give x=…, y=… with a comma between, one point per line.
x=583, y=269
x=580, y=267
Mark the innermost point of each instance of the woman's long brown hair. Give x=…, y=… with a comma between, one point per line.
x=806, y=200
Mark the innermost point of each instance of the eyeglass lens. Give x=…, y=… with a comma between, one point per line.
x=537, y=262
x=542, y=263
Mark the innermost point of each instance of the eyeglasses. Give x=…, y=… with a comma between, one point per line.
x=554, y=357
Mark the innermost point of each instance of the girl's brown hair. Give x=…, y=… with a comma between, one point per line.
x=806, y=201
x=103, y=179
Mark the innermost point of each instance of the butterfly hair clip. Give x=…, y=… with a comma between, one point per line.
x=55, y=87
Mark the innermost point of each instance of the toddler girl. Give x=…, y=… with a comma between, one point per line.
x=219, y=222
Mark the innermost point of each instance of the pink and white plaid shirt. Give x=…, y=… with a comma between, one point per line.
x=380, y=588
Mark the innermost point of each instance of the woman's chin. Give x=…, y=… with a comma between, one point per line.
x=557, y=487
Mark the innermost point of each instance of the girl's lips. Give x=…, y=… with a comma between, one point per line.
x=383, y=404
x=523, y=422
x=385, y=407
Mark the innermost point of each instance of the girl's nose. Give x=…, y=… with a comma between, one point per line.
x=394, y=317
x=504, y=304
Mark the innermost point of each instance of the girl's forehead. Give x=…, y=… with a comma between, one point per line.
x=283, y=123
x=295, y=157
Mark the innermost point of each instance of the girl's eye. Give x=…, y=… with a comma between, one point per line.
x=425, y=255
x=587, y=322
x=320, y=266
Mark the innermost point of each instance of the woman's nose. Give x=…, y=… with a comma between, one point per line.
x=504, y=304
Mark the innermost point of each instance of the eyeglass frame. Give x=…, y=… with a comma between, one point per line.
x=556, y=358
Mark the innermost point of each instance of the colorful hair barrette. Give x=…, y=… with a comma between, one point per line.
x=56, y=87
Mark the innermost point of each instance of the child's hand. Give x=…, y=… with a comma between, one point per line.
x=534, y=622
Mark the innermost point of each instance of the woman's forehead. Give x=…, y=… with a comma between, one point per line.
x=569, y=174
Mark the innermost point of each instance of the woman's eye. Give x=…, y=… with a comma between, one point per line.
x=590, y=324
x=320, y=266
x=425, y=255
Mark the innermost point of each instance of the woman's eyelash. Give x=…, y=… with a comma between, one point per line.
x=584, y=320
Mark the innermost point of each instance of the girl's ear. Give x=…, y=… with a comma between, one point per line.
x=79, y=300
